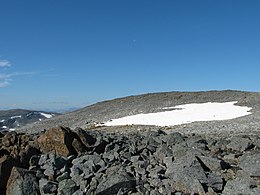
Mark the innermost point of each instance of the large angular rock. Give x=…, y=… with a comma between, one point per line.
x=187, y=175
x=61, y=141
x=162, y=152
x=87, y=139
x=239, y=144
x=213, y=164
x=243, y=184
x=250, y=163
x=115, y=181
x=173, y=138
x=214, y=181
x=6, y=165
x=22, y=182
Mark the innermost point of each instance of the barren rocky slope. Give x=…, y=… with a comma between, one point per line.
x=216, y=157
x=104, y=111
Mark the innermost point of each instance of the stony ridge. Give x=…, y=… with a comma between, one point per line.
x=61, y=161
x=147, y=103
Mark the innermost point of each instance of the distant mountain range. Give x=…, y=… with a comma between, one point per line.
x=10, y=120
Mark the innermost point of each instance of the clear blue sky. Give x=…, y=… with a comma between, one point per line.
x=65, y=53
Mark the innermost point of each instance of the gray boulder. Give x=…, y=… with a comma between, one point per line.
x=250, y=163
x=243, y=184
x=47, y=187
x=67, y=187
x=213, y=164
x=215, y=182
x=22, y=182
x=115, y=181
x=187, y=175
x=239, y=144
x=6, y=165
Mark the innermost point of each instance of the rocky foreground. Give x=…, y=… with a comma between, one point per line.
x=61, y=161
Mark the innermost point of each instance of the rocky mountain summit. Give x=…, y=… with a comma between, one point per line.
x=76, y=154
x=11, y=120
x=62, y=161
x=150, y=103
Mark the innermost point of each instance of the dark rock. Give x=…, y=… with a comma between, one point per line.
x=1, y=135
x=86, y=137
x=242, y=184
x=85, y=167
x=26, y=154
x=250, y=163
x=47, y=187
x=213, y=164
x=187, y=175
x=116, y=181
x=239, y=144
x=180, y=150
x=63, y=176
x=219, y=145
x=22, y=182
x=215, y=182
x=34, y=160
x=6, y=165
x=162, y=152
x=173, y=138
x=67, y=186
x=156, y=172
x=39, y=174
x=197, y=142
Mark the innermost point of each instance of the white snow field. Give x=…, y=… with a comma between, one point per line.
x=46, y=115
x=187, y=113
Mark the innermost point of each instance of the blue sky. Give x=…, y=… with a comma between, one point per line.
x=63, y=53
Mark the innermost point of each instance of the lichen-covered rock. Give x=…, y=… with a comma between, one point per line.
x=61, y=141
x=22, y=182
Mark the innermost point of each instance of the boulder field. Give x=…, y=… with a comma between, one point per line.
x=64, y=161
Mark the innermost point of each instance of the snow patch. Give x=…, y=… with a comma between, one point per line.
x=13, y=117
x=12, y=129
x=187, y=113
x=46, y=115
x=2, y=121
x=4, y=127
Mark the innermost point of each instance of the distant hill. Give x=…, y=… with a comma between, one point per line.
x=154, y=102
x=13, y=119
